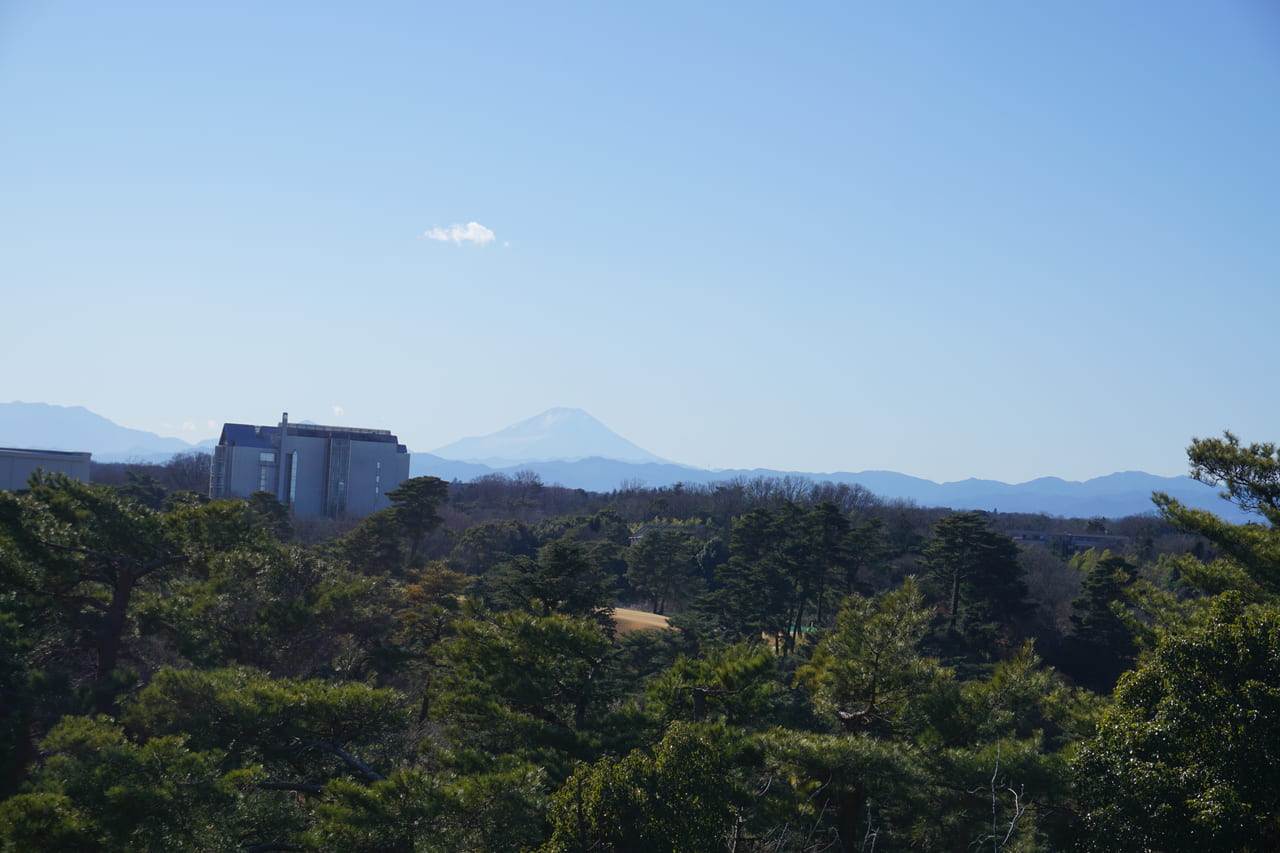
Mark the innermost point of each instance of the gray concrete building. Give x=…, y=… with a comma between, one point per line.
x=316, y=470
x=18, y=464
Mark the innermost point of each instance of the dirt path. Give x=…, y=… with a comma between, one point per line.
x=638, y=620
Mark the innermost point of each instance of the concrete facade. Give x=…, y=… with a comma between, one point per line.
x=315, y=470
x=18, y=464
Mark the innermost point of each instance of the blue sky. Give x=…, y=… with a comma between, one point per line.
x=997, y=239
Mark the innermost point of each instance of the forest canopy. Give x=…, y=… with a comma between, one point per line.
x=840, y=672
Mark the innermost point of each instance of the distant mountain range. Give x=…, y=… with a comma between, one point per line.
x=571, y=448
x=1112, y=496
x=41, y=426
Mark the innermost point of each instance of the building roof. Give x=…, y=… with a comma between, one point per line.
x=70, y=455
x=248, y=435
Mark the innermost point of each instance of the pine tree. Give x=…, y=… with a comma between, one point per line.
x=980, y=571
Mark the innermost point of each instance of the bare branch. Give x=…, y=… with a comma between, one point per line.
x=301, y=787
x=86, y=600
x=363, y=769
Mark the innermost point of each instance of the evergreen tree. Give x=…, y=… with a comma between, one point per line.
x=1251, y=480
x=661, y=567
x=1188, y=754
x=84, y=553
x=562, y=579
x=979, y=570
x=415, y=506
x=676, y=799
x=868, y=674
x=1103, y=644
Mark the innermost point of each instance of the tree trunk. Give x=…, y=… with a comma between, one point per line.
x=849, y=817
x=108, y=641
x=955, y=598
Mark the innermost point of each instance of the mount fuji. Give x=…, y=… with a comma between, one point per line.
x=556, y=435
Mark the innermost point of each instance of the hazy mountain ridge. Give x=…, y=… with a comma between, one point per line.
x=45, y=426
x=559, y=434
x=554, y=433
x=1112, y=496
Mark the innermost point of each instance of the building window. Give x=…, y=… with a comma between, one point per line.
x=267, y=477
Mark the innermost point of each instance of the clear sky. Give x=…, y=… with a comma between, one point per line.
x=951, y=239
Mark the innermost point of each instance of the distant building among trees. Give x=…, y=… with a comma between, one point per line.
x=1069, y=544
x=18, y=464
x=316, y=470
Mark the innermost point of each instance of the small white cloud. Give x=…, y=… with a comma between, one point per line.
x=472, y=232
x=211, y=424
x=339, y=411
x=188, y=426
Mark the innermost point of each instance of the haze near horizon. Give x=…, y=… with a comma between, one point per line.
x=1004, y=241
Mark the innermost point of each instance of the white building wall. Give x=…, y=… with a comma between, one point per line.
x=18, y=464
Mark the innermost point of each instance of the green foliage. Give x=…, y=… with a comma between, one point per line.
x=841, y=792
x=46, y=821
x=15, y=704
x=740, y=685
x=563, y=579
x=868, y=674
x=483, y=546
x=272, y=514
x=415, y=505
x=782, y=564
x=417, y=810
x=389, y=540
x=429, y=603
x=868, y=552
x=1107, y=576
x=143, y=489
x=304, y=731
x=676, y=799
x=634, y=659
x=661, y=567
x=1250, y=475
x=1103, y=644
x=923, y=757
x=98, y=790
x=982, y=578
x=1251, y=551
x=1007, y=794
x=252, y=709
x=211, y=758
x=79, y=553
x=374, y=546
x=276, y=607
x=753, y=594
x=207, y=530
x=1251, y=479
x=244, y=597
x=519, y=684
x=1022, y=698
x=1188, y=755
x=999, y=757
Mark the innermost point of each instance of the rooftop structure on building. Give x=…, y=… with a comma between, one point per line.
x=315, y=470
